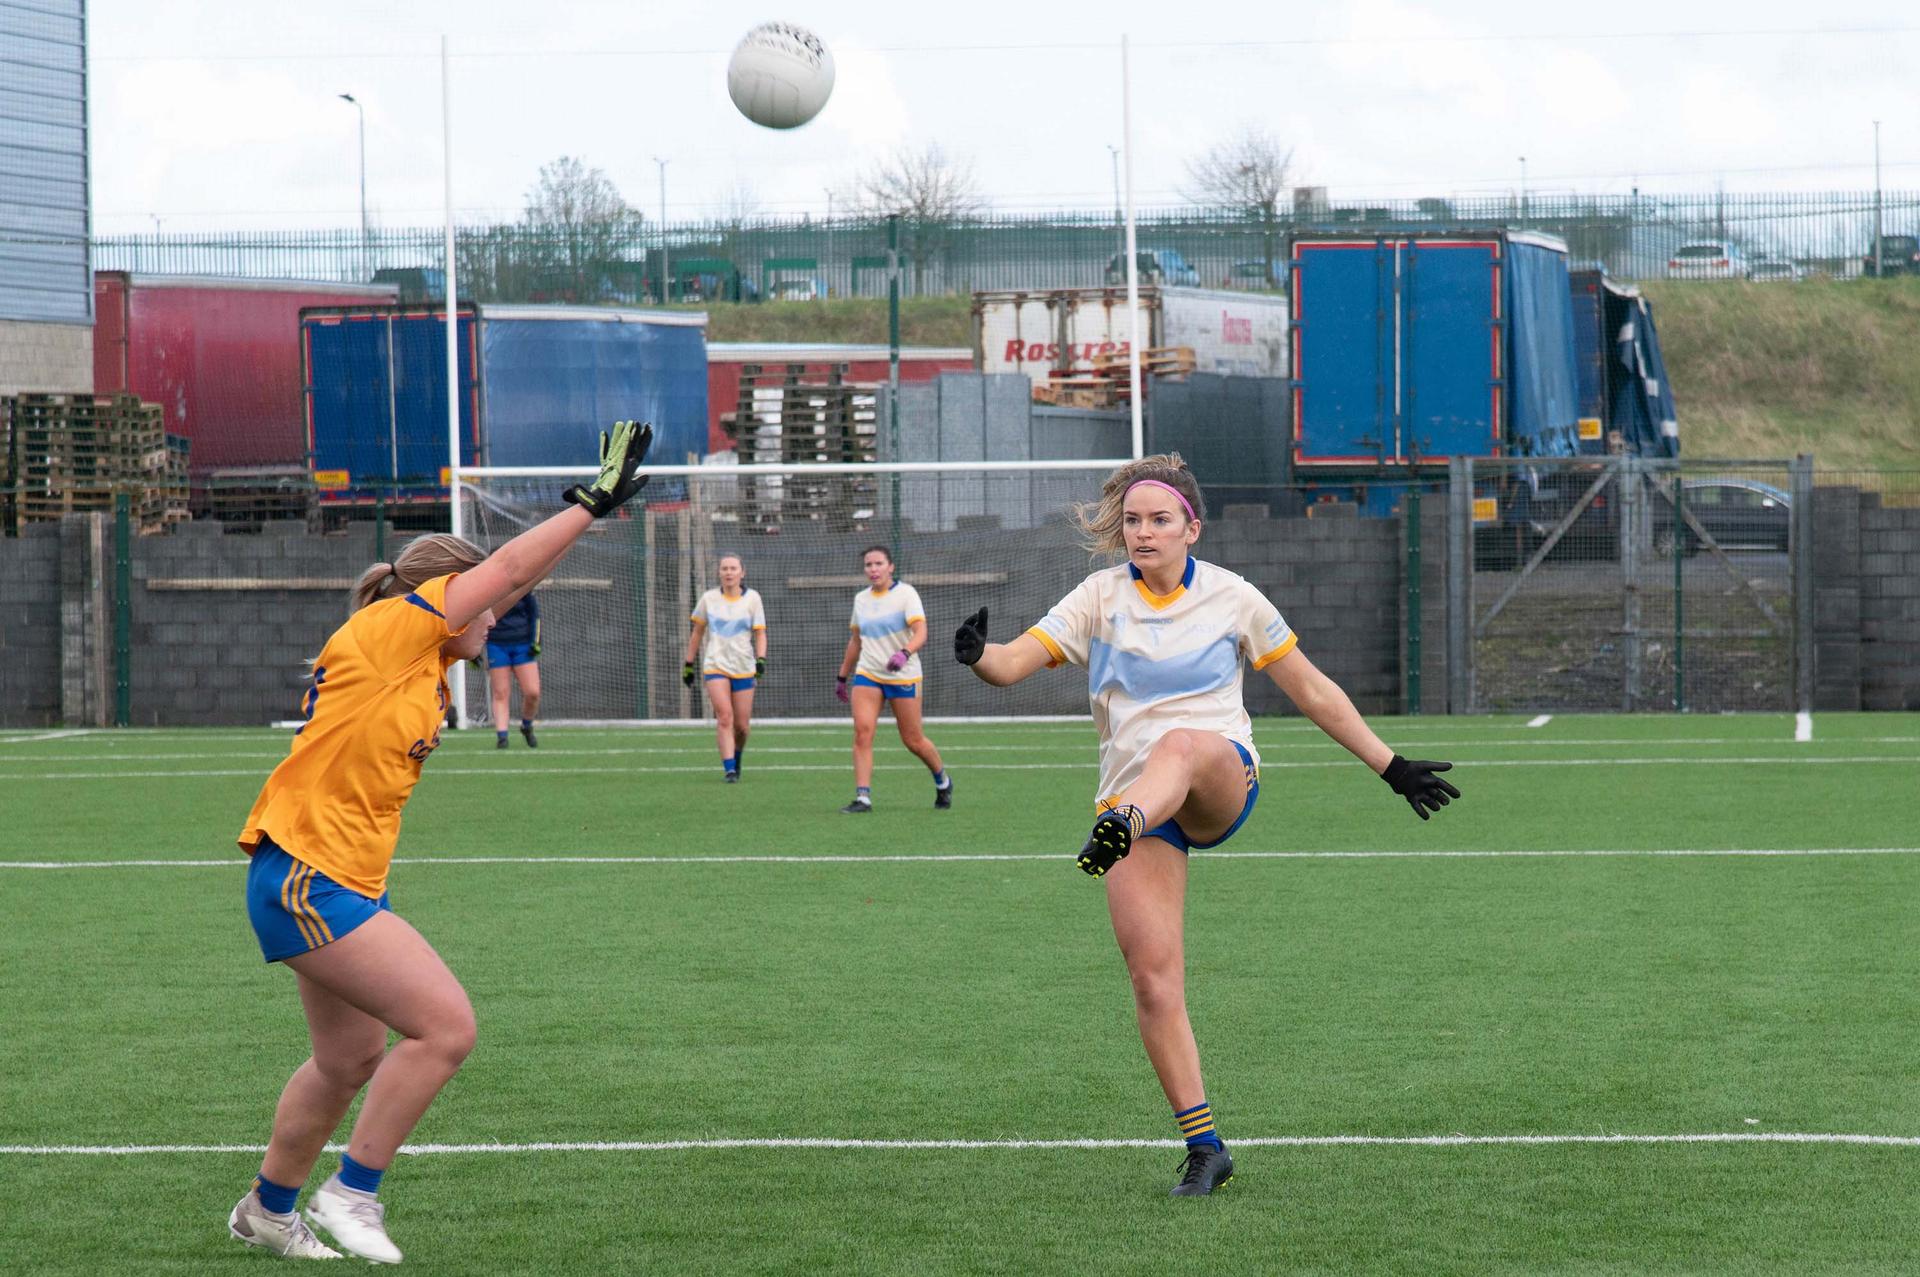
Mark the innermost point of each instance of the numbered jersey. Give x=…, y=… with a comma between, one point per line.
x=881, y=619
x=730, y=623
x=373, y=714
x=1157, y=662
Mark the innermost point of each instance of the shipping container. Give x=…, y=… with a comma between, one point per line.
x=863, y=364
x=537, y=385
x=1065, y=329
x=1410, y=348
x=220, y=356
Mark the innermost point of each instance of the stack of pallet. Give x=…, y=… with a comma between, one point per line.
x=797, y=415
x=1106, y=384
x=72, y=454
x=254, y=494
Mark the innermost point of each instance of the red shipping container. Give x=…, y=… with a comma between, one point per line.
x=220, y=356
x=865, y=365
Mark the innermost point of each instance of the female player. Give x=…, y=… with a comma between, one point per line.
x=513, y=651
x=889, y=629
x=1163, y=637
x=321, y=837
x=734, y=623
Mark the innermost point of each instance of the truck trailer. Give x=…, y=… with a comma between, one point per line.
x=1044, y=331
x=537, y=385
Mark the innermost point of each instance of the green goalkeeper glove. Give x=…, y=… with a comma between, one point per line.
x=621, y=454
x=759, y=667
x=686, y=673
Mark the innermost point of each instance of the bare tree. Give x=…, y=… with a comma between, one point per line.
x=581, y=225
x=1248, y=173
x=928, y=189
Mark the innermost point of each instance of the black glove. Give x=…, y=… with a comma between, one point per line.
x=759, y=667
x=620, y=456
x=970, y=641
x=686, y=673
x=1416, y=781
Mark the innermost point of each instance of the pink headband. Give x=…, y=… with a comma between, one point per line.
x=1155, y=483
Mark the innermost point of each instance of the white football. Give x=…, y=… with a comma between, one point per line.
x=780, y=75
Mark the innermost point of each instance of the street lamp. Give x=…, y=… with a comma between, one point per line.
x=365, y=253
x=666, y=266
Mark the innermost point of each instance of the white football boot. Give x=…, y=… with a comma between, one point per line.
x=356, y=1220
x=285, y=1235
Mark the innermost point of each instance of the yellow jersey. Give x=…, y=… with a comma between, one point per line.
x=374, y=712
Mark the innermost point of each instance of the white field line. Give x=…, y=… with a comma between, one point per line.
x=40, y=736
x=935, y=1145
x=1033, y=857
x=838, y=749
x=1540, y=720
x=706, y=769
x=1803, y=726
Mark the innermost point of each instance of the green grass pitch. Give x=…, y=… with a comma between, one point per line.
x=659, y=959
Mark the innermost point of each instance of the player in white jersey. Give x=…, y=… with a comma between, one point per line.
x=883, y=663
x=733, y=622
x=1163, y=637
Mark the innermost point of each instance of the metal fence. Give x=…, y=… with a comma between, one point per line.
x=1778, y=235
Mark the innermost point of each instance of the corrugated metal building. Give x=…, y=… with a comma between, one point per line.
x=46, y=287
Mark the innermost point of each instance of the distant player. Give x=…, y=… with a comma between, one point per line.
x=1163, y=637
x=513, y=651
x=733, y=622
x=889, y=629
x=321, y=838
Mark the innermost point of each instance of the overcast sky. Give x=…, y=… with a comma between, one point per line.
x=218, y=114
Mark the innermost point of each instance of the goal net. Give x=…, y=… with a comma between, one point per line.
x=615, y=617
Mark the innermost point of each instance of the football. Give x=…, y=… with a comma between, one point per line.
x=780, y=75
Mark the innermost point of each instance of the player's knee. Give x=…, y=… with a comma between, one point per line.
x=452, y=1036
x=351, y=1070
x=723, y=719
x=1176, y=746
x=1157, y=988
x=529, y=704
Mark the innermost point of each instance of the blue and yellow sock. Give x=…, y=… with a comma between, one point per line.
x=863, y=792
x=732, y=765
x=356, y=1176
x=277, y=1198
x=1135, y=818
x=940, y=780
x=501, y=734
x=1196, y=1124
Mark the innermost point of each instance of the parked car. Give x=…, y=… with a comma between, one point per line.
x=796, y=290
x=1764, y=269
x=1899, y=255
x=1256, y=276
x=1156, y=266
x=1736, y=513
x=1708, y=259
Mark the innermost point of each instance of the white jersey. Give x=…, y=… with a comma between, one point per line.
x=1156, y=662
x=881, y=620
x=731, y=623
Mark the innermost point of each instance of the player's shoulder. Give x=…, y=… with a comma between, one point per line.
x=1212, y=574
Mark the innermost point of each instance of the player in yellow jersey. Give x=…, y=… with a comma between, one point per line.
x=321, y=836
x=730, y=623
x=1164, y=638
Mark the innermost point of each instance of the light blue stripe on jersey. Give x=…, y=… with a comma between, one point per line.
x=729, y=626
x=881, y=626
x=1144, y=679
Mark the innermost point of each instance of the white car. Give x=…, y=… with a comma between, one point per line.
x=1708, y=259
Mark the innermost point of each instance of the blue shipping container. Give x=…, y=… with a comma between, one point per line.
x=1410, y=348
x=1622, y=374
x=537, y=386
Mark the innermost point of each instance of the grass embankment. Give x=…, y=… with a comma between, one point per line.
x=1830, y=367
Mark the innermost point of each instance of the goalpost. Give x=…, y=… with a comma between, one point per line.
x=615, y=617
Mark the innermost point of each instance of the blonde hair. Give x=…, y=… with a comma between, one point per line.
x=1103, y=522
x=424, y=558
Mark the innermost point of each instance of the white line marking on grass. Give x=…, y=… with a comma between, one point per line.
x=830, y=1143
x=1540, y=720
x=36, y=738
x=1034, y=857
x=707, y=769
x=1803, y=726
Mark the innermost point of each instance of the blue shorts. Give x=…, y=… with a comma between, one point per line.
x=1170, y=830
x=891, y=691
x=502, y=656
x=735, y=684
x=295, y=908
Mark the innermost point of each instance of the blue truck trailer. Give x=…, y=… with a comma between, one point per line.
x=1626, y=401
x=536, y=386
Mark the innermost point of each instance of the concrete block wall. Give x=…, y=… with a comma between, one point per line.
x=1889, y=605
x=30, y=627
x=45, y=358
